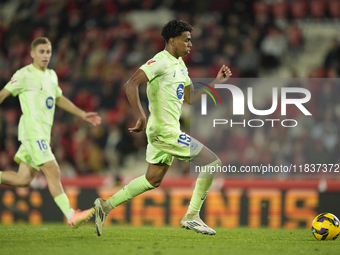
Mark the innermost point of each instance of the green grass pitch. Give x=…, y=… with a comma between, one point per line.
x=51, y=239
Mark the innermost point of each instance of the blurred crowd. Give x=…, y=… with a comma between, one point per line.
x=98, y=44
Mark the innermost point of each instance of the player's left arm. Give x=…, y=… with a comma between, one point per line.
x=138, y=79
x=4, y=93
x=67, y=105
x=192, y=96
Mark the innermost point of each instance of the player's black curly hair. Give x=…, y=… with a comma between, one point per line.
x=175, y=28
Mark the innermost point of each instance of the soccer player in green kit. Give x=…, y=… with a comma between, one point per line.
x=39, y=92
x=168, y=85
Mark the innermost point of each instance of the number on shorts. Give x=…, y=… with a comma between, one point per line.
x=184, y=139
x=42, y=144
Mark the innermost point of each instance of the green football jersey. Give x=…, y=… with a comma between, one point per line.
x=165, y=90
x=37, y=91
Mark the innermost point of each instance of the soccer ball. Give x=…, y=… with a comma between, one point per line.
x=325, y=226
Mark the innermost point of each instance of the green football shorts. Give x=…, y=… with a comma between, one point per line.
x=34, y=153
x=163, y=149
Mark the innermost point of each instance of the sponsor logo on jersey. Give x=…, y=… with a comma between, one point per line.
x=13, y=81
x=49, y=102
x=183, y=71
x=151, y=61
x=180, y=91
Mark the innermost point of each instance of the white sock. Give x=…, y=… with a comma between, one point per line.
x=108, y=207
x=69, y=215
x=192, y=212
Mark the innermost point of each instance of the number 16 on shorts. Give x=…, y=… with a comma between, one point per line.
x=184, y=139
x=42, y=144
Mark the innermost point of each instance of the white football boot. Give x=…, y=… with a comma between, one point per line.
x=194, y=222
x=100, y=215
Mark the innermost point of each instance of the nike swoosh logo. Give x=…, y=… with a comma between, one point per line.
x=202, y=198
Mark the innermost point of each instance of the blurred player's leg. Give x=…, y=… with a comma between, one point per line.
x=79, y=217
x=151, y=180
x=191, y=219
x=52, y=173
x=22, y=178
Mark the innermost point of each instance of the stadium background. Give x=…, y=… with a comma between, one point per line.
x=98, y=44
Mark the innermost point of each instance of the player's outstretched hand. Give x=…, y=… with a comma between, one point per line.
x=224, y=74
x=140, y=125
x=93, y=118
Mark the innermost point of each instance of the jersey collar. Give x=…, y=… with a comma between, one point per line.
x=171, y=57
x=37, y=70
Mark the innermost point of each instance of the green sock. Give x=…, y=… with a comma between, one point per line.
x=0, y=176
x=202, y=186
x=134, y=188
x=64, y=205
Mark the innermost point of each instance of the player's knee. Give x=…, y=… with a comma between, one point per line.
x=215, y=159
x=52, y=172
x=218, y=162
x=23, y=182
x=156, y=184
x=212, y=169
x=215, y=162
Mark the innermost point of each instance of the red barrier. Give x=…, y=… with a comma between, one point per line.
x=283, y=184
x=96, y=181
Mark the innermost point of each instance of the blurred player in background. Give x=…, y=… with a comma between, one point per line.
x=168, y=86
x=39, y=92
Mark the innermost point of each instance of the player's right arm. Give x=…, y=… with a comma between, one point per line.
x=131, y=88
x=15, y=86
x=192, y=96
x=4, y=93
